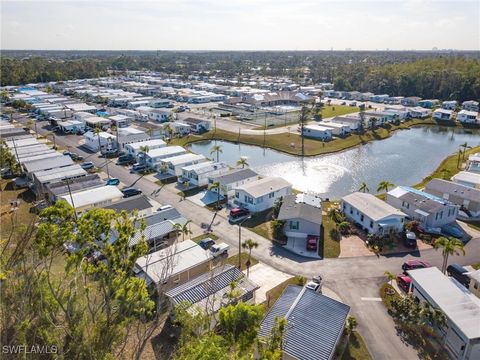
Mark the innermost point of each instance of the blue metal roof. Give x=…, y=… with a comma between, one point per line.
x=315, y=323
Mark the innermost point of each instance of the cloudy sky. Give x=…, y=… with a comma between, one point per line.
x=240, y=24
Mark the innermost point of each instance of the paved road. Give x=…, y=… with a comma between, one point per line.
x=351, y=278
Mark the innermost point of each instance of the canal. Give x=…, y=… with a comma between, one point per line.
x=403, y=159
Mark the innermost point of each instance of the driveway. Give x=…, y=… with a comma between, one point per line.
x=351, y=278
x=267, y=278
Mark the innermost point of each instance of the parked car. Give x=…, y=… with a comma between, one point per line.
x=206, y=243
x=88, y=165
x=410, y=239
x=125, y=160
x=458, y=273
x=452, y=231
x=237, y=214
x=130, y=191
x=415, y=264
x=76, y=157
x=113, y=181
x=311, y=243
x=403, y=282
x=219, y=249
x=138, y=167
x=312, y=285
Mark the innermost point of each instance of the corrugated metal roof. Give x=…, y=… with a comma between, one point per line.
x=215, y=284
x=314, y=323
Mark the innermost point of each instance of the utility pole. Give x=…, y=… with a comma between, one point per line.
x=240, y=241
x=71, y=198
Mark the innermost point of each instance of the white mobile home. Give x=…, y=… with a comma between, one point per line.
x=442, y=114
x=94, y=197
x=173, y=165
x=154, y=157
x=467, y=178
x=337, y=129
x=318, y=132
x=468, y=117
x=128, y=135
x=261, y=194
x=106, y=142
x=134, y=148
x=198, y=174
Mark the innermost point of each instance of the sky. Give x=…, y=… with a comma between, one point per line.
x=240, y=24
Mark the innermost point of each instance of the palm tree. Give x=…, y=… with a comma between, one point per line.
x=249, y=245
x=449, y=247
x=350, y=325
x=163, y=168
x=143, y=150
x=344, y=227
x=363, y=187
x=390, y=277
x=97, y=132
x=465, y=146
x=216, y=185
x=177, y=229
x=53, y=138
x=333, y=214
x=216, y=149
x=242, y=162
x=185, y=230
x=384, y=186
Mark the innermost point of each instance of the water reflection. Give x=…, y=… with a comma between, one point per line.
x=405, y=158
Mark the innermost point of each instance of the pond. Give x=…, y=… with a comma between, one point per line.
x=405, y=158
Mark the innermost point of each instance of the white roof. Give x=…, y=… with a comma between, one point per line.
x=57, y=174
x=334, y=125
x=467, y=112
x=166, y=151
x=205, y=167
x=457, y=302
x=97, y=120
x=155, y=143
x=467, y=176
x=317, y=127
x=92, y=196
x=371, y=206
x=129, y=131
x=173, y=260
x=119, y=117
x=309, y=199
x=443, y=111
x=80, y=107
x=264, y=186
x=183, y=159
x=102, y=134
x=22, y=142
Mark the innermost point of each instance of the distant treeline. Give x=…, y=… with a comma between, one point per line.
x=442, y=75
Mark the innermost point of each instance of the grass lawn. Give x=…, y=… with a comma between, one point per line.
x=331, y=247
x=329, y=111
x=356, y=349
x=22, y=217
x=476, y=266
x=233, y=260
x=203, y=236
x=260, y=224
x=291, y=143
x=447, y=168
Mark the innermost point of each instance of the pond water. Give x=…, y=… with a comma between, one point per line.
x=405, y=158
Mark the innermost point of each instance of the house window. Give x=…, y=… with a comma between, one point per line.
x=361, y=217
x=371, y=224
x=351, y=211
x=271, y=195
x=237, y=195
x=294, y=225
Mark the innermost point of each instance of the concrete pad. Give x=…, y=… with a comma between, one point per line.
x=353, y=245
x=267, y=278
x=298, y=246
x=204, y=198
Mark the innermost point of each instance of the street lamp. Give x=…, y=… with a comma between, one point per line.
x=240, y=241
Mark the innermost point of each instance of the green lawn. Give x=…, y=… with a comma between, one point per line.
x=447, y=168
x=233, y=260
x=274, y=293
x=260, y=224
x=476, y=266
x=329, y=111
x=331, y=246
x=356, y=349
x=203, y=236
x=291, y=143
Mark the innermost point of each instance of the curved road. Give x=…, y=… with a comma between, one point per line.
x=356, y=280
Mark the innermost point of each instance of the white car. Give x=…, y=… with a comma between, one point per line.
x=219, y=249
x=315, y=286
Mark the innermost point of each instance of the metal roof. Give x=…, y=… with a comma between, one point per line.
x=457, y=302
x=234, y=176
x=264, y=186
x=455, y=189
x=172, y=260
x=138, y=202
x=93, y=196
x=467, y=176
x=212, y=287
x=48, y=163
x=371, y=206
x=152, y=144
x=183, y=159
x=45, y=176
x=164, y=152
x=75, y=184
x=315, y=323
x=420, y=199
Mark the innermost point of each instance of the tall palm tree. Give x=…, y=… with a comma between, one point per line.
x=97, y=132
x=465, y=146
x=186, y=229
x=177, y=229
x=384, y=186
x=249, y=245
x=144, y=149
x=363, y=187
x=449, y=247
x=216, y=149
x=242, y=162
x=216, y=185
